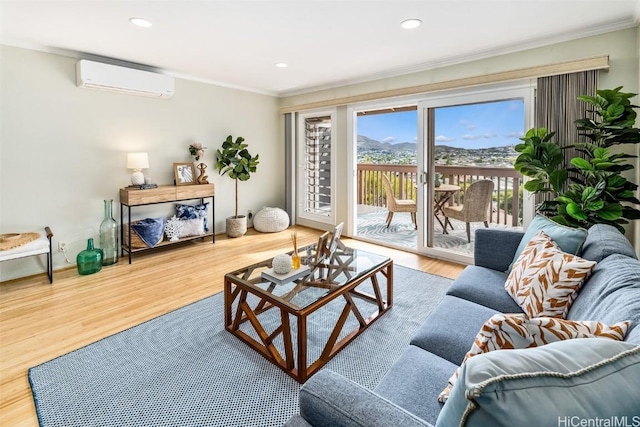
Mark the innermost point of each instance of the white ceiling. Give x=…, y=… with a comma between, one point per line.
x=325, y=42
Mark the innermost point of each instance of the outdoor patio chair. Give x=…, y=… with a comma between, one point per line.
x=477, y=199
x=398, y=205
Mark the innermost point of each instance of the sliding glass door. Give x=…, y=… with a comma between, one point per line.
x=466, y=179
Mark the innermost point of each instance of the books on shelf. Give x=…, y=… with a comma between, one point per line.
x=279, y=279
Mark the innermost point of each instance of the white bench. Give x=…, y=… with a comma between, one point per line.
x=42, y=245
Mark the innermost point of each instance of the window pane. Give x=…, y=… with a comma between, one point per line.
x=317, y=165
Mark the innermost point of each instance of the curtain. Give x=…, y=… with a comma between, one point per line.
x=557, y=108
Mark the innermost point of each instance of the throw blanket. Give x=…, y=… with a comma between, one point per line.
x=150, y=230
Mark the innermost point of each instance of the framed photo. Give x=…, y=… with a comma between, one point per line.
x=321, y=249
x=185, y=173
x=335, y=238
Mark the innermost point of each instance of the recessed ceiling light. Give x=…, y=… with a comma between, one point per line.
x=140, y=22
x=409, y=24
x=281, y=65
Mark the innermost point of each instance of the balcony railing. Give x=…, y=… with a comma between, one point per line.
x=507, y=196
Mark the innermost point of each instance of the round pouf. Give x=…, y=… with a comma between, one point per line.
x=270, y=220
x=281, y=264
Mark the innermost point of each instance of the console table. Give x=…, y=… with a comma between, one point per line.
x=131, y=197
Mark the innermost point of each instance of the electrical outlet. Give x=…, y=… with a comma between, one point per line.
x=250, y=214
x=62, y=246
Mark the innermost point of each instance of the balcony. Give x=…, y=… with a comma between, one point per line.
x=506, y=210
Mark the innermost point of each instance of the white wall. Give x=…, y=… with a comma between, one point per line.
x=63, y=148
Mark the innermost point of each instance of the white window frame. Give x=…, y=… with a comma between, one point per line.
x=328, y=218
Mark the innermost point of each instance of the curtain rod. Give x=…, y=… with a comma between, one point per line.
x=573, y=66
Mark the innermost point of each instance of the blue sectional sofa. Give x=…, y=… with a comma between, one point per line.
x=607, y=382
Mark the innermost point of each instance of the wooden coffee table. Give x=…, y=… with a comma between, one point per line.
x=353, y=287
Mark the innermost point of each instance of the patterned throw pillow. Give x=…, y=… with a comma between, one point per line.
x=517, y=331
x=193, y=212
x=544, y=280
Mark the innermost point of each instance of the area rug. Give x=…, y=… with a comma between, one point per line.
x=402, y=232
x=185, y=369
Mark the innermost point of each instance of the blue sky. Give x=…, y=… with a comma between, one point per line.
x=490, y=124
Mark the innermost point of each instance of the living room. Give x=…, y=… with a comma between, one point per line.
x=64, y=152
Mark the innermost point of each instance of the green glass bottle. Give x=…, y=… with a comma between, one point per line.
x=90, y=260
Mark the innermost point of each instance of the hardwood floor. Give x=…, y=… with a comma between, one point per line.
x=39, y=322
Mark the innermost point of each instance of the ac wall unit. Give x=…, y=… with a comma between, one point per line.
x=113, y=78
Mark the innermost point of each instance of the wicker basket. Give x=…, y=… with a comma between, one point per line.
x=136, y=241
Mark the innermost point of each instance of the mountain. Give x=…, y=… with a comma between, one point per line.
x=368, y=144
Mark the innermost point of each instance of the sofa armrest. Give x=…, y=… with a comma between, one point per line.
x=495, y=248
x=330, y=400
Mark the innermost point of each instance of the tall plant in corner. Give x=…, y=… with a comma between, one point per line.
x=591, y=189
x=235, y=161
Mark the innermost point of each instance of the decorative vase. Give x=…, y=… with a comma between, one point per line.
x=90, y=260
x=109, y=236
x=437, y=182
x=236, y=227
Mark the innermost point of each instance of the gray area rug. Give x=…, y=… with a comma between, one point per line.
x=402, y=232
x=185, y=369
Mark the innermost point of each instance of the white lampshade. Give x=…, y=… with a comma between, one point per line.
x=137, y=162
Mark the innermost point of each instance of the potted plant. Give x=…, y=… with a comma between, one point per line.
x=591, y=189
x=235, y=161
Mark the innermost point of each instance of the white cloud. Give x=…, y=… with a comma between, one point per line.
x=514, y=135
x=442, y=138
x=389, y=139
x=469, y=137
x=467, y=124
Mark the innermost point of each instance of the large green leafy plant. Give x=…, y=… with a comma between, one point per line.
x=591, y=189
x=234, y=159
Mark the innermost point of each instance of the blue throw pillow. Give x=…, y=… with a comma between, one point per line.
x=555, y=384
x=193, y=212
x=569, y=239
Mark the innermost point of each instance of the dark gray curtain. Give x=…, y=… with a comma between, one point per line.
x=557, y=107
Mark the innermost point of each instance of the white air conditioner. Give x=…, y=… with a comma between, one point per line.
x=113, y=78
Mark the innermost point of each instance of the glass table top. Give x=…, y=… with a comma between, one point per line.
x=322, y=277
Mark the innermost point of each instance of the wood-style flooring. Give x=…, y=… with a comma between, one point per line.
x=39, y=322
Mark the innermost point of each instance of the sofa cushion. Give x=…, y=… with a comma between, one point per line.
x=604, y=240
x=330, y=400
x=612, y=294
x=451, y=327
x=494, y=247
x=585, y=378
x=414, y=381
x=516, y=331
x=544, y=280
x=484, y=286
x=569, y=239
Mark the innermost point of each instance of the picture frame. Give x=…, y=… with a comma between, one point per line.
x=185, y=173
x=334, y=243
x=321, y=248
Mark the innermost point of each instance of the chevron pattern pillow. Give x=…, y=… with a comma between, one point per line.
x=544, y=280
x=517, y=331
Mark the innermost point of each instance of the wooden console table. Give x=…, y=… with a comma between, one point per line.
x=131, y=197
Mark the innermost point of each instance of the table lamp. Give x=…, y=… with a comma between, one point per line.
x=137, y=162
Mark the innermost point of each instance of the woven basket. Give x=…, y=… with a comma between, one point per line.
x=136, y=241
x=236, y=227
